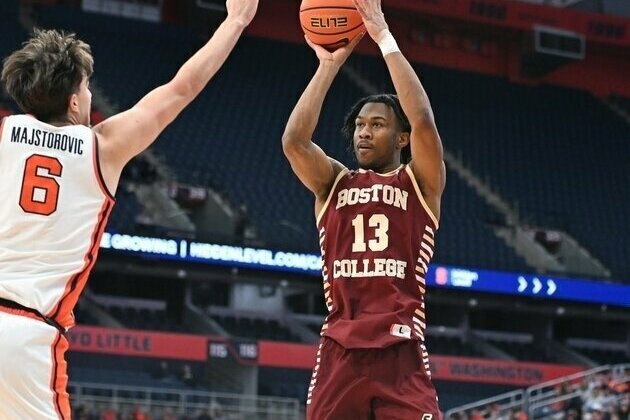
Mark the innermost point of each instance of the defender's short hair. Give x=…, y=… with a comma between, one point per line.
x=41, y=76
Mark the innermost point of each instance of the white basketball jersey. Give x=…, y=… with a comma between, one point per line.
x=53, y=210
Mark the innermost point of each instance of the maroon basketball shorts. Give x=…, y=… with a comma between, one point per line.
x=372, y=384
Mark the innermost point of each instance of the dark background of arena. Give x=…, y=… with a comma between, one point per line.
x=538, y=162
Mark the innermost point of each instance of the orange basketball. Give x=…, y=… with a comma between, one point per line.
x=330, y=23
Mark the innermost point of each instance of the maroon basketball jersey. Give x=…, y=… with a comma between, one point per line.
x=377, y=237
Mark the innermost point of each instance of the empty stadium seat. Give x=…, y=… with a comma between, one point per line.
x=558, y=155
x=452, y=346
x=262, y=329
x=231, y=134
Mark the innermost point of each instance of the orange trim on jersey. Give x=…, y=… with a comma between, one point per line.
x=59, y=377
x=1, y=127
x=97, y=170
x=62, y=312
x=19, y=312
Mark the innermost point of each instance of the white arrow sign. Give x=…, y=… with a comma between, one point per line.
x=537, y=285
x=522, y=284
x=551, y=287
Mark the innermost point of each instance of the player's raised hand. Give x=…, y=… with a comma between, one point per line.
x=340, y=55
x=242, y=11
x=373, y=17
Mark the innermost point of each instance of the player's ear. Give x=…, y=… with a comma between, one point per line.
x=73, y=103
x=403, y=140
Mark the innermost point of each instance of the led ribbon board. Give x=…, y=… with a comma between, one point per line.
x=532, y=285
x=490, y=281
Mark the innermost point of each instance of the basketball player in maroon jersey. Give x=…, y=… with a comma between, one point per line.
x=376, y=227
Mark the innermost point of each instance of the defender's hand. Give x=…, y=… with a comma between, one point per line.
x=241, y=11
x=340, y=55
x=373, y=18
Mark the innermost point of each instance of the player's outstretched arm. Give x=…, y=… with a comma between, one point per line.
x=426, y=147
x=125, y=135
x=309, y=162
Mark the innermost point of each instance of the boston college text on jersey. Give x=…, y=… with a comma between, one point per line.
x=377, y=267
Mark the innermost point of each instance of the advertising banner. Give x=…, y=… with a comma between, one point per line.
x=123, y=342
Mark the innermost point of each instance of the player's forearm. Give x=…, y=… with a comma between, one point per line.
x=195, y=74
x=305, y=115
x=413, y=98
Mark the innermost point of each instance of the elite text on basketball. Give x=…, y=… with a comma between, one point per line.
x=329, y=22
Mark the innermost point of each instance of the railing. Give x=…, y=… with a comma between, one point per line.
x=542, y=396
x=546, y=390
x=157, y=400
x=507, y=401
x=538, y=400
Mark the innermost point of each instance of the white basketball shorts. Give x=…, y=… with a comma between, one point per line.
x=33, y=370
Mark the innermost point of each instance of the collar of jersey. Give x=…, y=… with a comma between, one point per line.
x=390, y=173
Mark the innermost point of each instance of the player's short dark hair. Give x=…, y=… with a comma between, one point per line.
x=391, y=100
x=41, y=76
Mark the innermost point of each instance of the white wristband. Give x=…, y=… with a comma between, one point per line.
x=387, y=44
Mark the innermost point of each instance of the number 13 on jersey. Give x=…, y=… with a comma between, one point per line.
x=380, y=223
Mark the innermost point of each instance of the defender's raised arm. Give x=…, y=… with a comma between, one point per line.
x=125, y=135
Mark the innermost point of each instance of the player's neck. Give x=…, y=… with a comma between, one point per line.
x=387, y=168
x=62, y=121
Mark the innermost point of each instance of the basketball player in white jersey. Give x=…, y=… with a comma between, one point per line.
x=58, y=177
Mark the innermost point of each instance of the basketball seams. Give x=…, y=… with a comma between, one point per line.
x=330, y=23
x=333, y=33
x=328, y=8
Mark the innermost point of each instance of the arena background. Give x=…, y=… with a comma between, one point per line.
x=206, y=302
